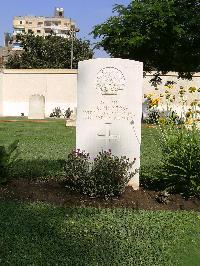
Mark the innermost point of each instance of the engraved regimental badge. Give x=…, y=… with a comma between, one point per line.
x=110, y=80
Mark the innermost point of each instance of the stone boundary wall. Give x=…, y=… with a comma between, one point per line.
x=171, y=76
x=59, y=87
x=178, y=82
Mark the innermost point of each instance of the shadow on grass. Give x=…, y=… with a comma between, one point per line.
x=42, y=234
x=36, y=168
x=152, y=178
x=39, y=234
x=40, y=168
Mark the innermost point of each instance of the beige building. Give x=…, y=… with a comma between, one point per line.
x=44, y=26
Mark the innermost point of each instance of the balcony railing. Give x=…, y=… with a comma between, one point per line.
x=57, y=27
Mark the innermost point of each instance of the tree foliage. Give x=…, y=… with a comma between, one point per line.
x=49, y=52
x=165, y=35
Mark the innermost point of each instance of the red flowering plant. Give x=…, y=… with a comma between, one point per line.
x=106, y=176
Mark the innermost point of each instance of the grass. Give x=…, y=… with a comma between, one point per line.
x=42, y=234
x=150, y=153
x=43, y=147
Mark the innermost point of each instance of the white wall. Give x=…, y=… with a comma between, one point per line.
x=58, y=87
x=172, y=76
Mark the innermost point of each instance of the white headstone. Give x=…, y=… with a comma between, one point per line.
x=109, y=108
x=36, y=107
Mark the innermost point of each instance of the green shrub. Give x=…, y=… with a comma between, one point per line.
x=7, y=157
x=68, y=113
x=153, y=116
x=181, y=160
x=56, y=112
x=78, y=171
x=170, y=118
x=106, y=176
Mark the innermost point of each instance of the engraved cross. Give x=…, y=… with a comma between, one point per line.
x=108, y=136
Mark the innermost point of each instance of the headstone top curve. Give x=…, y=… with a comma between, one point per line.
x=110, y=60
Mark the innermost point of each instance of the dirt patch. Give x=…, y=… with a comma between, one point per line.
x=56, y=193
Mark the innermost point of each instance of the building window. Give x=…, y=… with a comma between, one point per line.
x=47, y=23
x=48, y=31
x=30, y=22
x=38, y=31
x=20, y=22
x=40, y=23
x=30, y=31
x=56, y=23
x=19, y=31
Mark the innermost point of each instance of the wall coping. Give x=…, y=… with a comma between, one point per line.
x=39, y=71
x=74, y=71
x=171, y=74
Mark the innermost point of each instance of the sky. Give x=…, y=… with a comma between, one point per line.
x=86, y=13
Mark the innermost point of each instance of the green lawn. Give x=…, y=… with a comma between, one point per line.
x=42, y=234
x=43, y=147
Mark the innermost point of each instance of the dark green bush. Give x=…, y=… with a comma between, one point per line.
x=56, y=112
x=68, y=113
x=7, y=157
x=153, y=116
x=106, y=176
x=156, y=116
x=181, y=160
x=174, y=118
x=78, y=171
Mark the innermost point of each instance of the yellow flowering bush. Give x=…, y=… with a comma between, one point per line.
x=174, y=104
x=180, y=147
